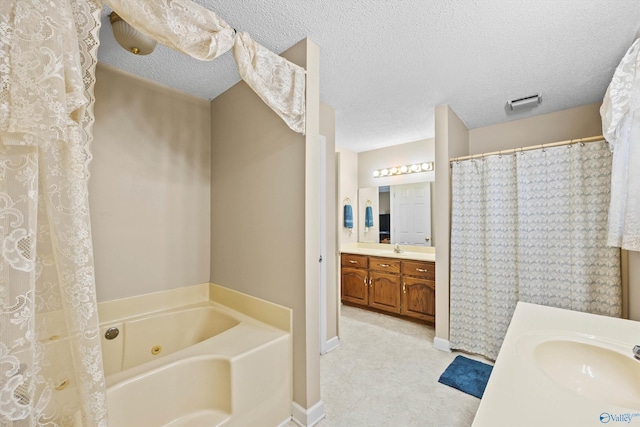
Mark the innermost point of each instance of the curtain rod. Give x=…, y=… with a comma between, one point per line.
x=533, y=147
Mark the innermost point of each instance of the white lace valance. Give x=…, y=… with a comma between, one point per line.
x=196, y=31
x=621, y=128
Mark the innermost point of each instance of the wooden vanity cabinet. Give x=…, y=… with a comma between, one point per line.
x=398, y=286
x=419, y=290
x=355, y=279
x=384, y=291
x=384, y=284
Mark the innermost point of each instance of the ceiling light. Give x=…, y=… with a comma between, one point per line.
x=130, y=38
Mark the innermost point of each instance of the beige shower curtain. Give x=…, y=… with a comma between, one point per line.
x=530, y=227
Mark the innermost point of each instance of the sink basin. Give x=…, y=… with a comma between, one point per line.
x=593, y=370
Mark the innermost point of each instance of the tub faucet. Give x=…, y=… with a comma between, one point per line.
x=636, y=352
x=396, y=248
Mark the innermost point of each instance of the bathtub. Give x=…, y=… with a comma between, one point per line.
x=197, y=365
x=194, y=391
x=145, y=338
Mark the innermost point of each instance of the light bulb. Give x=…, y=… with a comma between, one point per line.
x=376, y=174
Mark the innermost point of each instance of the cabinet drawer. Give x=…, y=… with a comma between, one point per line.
x=424, y=269
x=388, y=265
x=355, y=261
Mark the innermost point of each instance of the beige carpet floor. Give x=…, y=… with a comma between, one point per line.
x=385, y=373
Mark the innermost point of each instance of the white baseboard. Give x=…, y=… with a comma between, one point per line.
x=308, y=417
x=441, y=344
x=285, y=422
x=332, y=344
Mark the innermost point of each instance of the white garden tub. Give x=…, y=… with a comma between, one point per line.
x=145, y=338
x=194, y=391
x=197, y=365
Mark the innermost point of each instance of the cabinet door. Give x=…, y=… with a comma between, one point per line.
x=355, y=286
x=385, y=291
x=418, y=298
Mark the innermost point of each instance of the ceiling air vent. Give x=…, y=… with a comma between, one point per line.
x=525, y=103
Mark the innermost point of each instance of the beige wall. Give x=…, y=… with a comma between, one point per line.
x=634, y=285
x=579, y=122
x=307, y=54
x=452, y=140
x=328, y=130
x=404, y=154
x=347, y=187
x=149, y=187
x=261, y=194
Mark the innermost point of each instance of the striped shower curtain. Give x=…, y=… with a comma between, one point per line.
x=530, y=226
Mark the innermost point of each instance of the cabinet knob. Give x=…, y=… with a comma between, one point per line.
x=352, y=261
x=421, y=270
x=384, y=265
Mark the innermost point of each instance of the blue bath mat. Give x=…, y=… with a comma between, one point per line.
x=467, y=375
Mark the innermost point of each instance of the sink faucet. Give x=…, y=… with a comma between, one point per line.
x=636, y=352
x=397, y=250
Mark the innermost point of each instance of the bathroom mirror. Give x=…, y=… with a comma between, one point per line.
x=401, y=214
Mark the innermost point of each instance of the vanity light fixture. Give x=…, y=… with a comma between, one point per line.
x=130, y=38
x=404, y=169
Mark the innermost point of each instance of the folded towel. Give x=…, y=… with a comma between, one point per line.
x=368, y=217
x=348, y=216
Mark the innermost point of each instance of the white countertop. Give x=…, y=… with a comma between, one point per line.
x=416, y=253
x=520, y=394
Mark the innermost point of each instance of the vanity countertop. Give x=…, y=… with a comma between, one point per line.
x=384, y=250
x=563, y=368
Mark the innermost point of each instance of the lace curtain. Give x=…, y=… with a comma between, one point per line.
x=196, y=31
x=50, y=358
x=530, y=227
x=51, y=366
x=621, y=128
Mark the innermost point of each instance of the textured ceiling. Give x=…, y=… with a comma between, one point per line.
x=385, y=64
